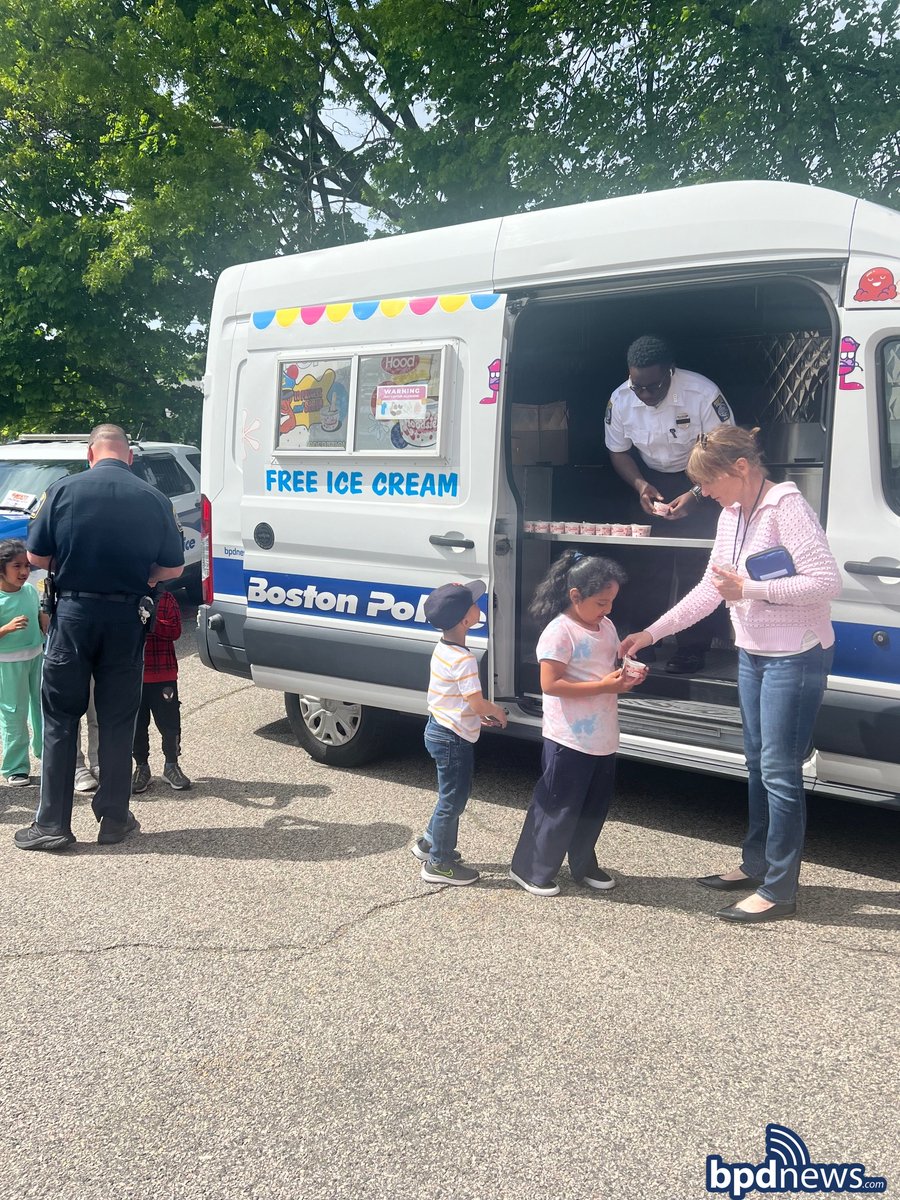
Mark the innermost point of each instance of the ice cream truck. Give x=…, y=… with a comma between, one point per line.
x=385, y=417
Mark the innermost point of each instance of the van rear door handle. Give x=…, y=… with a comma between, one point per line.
x=456, y=543
x=872, y=568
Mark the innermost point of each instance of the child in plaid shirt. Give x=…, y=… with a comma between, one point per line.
x=159, y=696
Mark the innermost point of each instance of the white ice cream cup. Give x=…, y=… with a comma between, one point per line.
x=634, y=669
x=618, y=530
x=640, y=531
x=572, y=527
x=557, y=527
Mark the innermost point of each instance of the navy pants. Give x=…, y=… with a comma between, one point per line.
x=103, y=639
x=567, y=812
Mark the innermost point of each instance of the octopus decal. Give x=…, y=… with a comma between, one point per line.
x=847, y=364
x=876, y=284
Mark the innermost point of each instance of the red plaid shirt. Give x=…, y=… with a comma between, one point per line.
x=160, y=663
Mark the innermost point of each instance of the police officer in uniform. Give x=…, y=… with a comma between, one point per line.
x=107, y=536
x=653, y=420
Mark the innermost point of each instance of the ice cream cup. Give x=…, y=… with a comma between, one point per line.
x=541, y=526
x=633, y=669
x=572, y=527
x=660, y=508
x=529, y=526
x=557, y=527
x=640, y=531
x=588, y=529
x=604, y=529
x=621, y=530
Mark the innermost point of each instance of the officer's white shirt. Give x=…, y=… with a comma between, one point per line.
x=664, y=436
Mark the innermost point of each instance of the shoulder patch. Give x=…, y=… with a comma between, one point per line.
x=609, y=412
x=720, y=408
x=40, y=504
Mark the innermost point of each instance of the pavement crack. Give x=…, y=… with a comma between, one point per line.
x=301, y=948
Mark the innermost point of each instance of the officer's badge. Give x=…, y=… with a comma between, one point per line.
x=609, y=412
x=40, y=504
x=682, y=418
x=177, y=522
x=720, y=408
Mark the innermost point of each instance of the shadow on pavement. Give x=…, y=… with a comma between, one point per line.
x=295, y=839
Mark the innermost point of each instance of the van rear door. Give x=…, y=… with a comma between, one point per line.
x=371, y=440
x=856, y=736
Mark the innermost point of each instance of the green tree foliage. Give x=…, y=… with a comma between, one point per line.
x=147, y=144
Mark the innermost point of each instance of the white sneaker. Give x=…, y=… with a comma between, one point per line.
x=536, y=889
x=85, y=781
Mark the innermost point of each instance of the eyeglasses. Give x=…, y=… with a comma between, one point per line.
x=652, y=389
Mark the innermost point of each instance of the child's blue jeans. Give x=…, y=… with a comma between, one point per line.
x=455, y=761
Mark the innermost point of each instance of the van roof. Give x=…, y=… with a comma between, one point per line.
x=677, y=230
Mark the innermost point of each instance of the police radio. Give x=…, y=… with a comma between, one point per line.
x=49, y=596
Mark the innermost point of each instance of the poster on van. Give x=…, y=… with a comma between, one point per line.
x=314, y=402
x=397, y=400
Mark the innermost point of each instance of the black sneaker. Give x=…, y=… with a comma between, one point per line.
x=598, y=879
x=175, y=777
x=36, y=838
x=18, y=780
x=140, y=780
x=421, y=849
x=453, y=873
x=536, y=889
x=117, y=831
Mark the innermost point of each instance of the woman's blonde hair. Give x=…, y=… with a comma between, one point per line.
x=716, y=453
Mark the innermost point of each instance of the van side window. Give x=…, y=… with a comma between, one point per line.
x=889, y=373
x=164, y=473
x=313, y=403
x=397, y=400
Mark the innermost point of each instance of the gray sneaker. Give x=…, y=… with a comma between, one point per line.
x=174, y=776
x=140, y=780
x=421, y=849
x=452, y=873
x=85, y=781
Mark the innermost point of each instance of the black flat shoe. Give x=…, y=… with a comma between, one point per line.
x=685, y=662
x=739, y=917
x=718, y=884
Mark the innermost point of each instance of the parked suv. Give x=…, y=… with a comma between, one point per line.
x=29, y=465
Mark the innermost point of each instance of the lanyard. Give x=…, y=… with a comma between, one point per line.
x=737, y=550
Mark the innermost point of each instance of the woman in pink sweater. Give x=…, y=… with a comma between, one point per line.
x=782, y=627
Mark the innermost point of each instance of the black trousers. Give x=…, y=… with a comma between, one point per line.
x=646, y=596
x=567, y=813
x=160, y=700
x=103, y=640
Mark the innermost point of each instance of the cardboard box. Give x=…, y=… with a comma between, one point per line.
x=540, y=434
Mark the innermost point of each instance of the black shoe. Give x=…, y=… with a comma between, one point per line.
x=739, y=917
x=36, y=838
x=685, y=662
x=140, y=780
x=718, y=884
x=117, y=831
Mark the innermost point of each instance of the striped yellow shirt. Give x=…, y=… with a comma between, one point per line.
x=454, y=677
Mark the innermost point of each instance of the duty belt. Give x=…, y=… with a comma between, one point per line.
x=117, y=597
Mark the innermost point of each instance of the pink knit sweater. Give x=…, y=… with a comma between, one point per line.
x=776, y=614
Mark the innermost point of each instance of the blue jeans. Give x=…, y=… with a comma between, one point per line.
x=780, y=698
x=455, y=761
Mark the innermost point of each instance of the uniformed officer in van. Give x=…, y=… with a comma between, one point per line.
x=653, y=420
x=107, y=536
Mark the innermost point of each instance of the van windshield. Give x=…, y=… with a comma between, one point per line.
x=31, y=478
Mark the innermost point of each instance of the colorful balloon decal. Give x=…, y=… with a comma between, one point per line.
x=363, y=310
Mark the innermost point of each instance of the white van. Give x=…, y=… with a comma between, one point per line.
x=31, y=463
x=385, y=417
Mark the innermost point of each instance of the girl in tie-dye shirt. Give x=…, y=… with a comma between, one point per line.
x=577, y=653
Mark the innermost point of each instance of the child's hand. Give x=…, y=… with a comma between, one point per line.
x=496, y=719
x=15, y=624
x=618, y=681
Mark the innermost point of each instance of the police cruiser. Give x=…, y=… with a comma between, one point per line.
x=31, y=463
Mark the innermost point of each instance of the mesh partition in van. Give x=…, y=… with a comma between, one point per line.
x=790, y=374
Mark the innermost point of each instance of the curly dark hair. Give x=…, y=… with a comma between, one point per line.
x=649, y=351
x=10, y=548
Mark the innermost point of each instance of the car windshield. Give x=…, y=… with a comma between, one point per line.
x=23, y=481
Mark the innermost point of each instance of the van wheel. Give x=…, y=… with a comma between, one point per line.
x=335, y=732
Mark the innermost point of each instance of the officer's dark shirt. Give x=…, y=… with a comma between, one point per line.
x=105, y=528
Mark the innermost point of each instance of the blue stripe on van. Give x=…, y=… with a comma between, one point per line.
x=858, y=656
x=14, y=525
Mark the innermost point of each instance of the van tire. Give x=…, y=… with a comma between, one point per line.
x=335, y=732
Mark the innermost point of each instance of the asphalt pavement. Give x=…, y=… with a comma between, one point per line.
x=258, y=997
